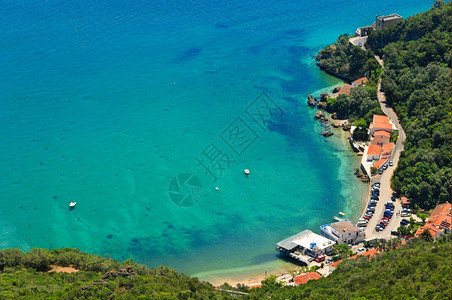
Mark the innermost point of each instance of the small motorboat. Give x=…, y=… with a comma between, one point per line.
x=247, y=172
x=341, y=213
x=72, y=204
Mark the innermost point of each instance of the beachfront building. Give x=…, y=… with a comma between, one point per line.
x=360, y=81
x=381, y=137
x=386, y=150
x=380, y=123
x=345, y=89
x=382, y=22
x=373, y=152
x=304, y=244
x=343, y=232
x=380, y=147
x=439, y=222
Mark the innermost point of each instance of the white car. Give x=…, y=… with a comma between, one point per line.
x=360, y=250
x=391, y=163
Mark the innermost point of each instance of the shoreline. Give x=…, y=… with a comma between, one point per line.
x=251, y=278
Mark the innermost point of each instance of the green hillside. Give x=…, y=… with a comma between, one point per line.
x=418, y=270
x=416, y=81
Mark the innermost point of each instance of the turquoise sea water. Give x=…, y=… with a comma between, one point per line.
x=104, y=103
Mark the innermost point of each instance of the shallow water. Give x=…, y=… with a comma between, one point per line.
x=105, y=104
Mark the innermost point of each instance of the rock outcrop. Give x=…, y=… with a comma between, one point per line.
x=336, y=89
x=323, y=97
x=326, y=133
x=126, y=272
x=311, y=101
x=321, y=105
x=319, y=114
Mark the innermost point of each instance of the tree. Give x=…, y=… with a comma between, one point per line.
x=426, y=235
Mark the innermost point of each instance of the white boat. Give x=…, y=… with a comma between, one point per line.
x=72, y=204
x=247, y=171
x=341, y=213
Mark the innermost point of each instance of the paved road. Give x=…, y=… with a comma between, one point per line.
x=385, y=178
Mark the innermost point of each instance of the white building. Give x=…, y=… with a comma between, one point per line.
x=343, y=232
x=307, y=243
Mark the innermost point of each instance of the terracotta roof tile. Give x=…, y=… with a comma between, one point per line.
x=380, y=119
x=374, y=150
x=345, y=89
x=382, y=132
x=302, y=279
x=360, y=81
x=379, y=163
x=387, y=147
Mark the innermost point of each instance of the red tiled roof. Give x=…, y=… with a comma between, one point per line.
x=374, y=150
x=387, y=147
x=430, y=227
x=302, y=279
x=360, y=81
x=439, y=219
x=382, y=132
x=382, y=126
x=336, y=263
x=443, y=221
x=345, y=89
x=254, y=286
x=379, y=163
x=443, y=208
x=380, y=119
x=405, y=200
x=369, y=253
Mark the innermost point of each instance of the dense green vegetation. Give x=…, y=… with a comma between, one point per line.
x=418, y=270
x=416, y=81
x=347, y=61
x=25, y=276
x=358, y=105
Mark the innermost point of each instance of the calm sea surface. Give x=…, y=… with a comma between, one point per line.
x=137, y=110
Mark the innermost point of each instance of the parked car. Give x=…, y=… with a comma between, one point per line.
x=320, y=258
x=394, y=233
x=391, y=163
x=377, y=184
x=404, y=222
x=393, y=198
x=385, y=166
x=360, y=250
x=378, y=227
x=380, y=171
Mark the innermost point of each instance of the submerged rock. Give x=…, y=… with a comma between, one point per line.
x=327, y=133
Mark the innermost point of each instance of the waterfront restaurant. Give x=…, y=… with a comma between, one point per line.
x=343, y=232
x=305, y=243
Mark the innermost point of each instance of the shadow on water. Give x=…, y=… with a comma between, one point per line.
x=188, y=55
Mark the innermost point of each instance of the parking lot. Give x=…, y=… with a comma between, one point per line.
x=380, y=195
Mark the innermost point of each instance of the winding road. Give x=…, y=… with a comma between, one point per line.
x=385, y=178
